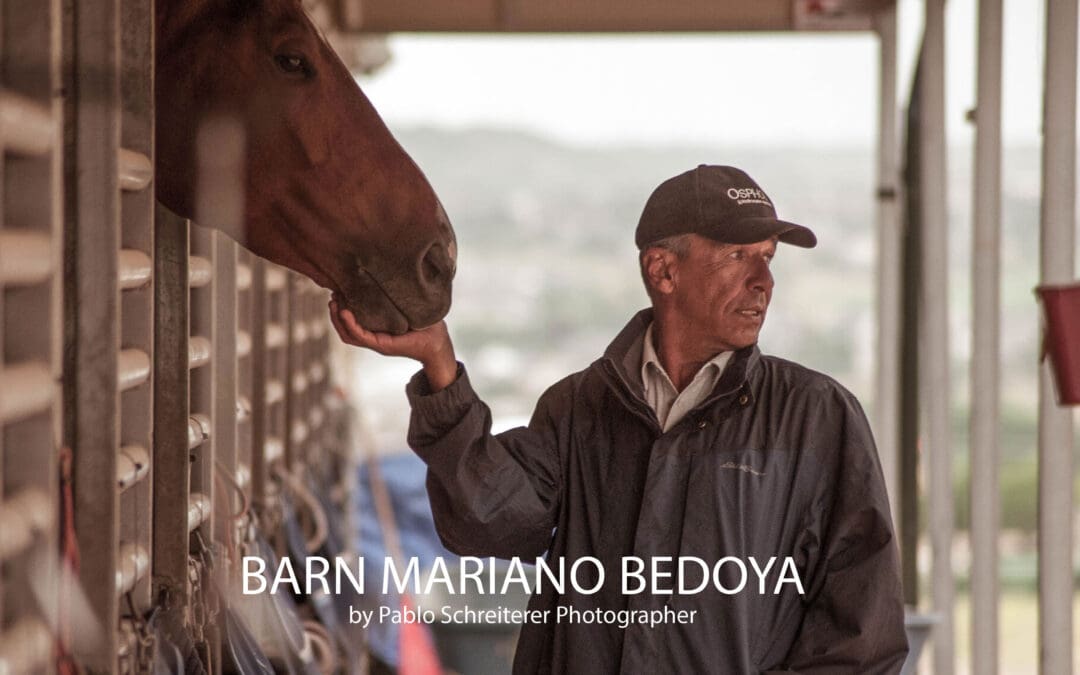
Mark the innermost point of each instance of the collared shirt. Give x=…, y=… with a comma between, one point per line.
x=669, y=404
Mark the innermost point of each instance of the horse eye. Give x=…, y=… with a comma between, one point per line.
x=293, y=64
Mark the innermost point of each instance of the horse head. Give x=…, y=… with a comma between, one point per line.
x=326, y=190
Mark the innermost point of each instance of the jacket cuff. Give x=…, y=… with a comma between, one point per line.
x=442, y=409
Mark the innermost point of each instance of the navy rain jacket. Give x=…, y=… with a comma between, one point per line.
x=778, y=461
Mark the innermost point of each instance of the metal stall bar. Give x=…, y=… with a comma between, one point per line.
x=276, y=446
x=1057, y=235
x=985, y=353
x=25, y=517
x=295, y=430
x=135, y=173
x=29, y=125
x=202, y=365
x=226, y=366
x=244, y=414
x=315, y=347
x=202, y=407
x=92, y=310
x=322, y=445
x=203, y=362
x=31, y=235
x=889, y=247
x=934, y=365
x=301, y=383
x=25, y=257
x=257, y=298
x=172, y=358
x=132, y=466
x=215, y=310
x=26, y=647
x=132, y=564
x=319, y=331
x=313, y=450
x=29, y=389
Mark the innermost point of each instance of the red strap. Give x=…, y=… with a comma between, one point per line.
x=69, y=555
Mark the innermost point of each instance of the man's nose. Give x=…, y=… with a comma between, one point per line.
x=760, y=279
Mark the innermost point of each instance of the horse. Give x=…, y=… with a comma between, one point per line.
x=326, y=189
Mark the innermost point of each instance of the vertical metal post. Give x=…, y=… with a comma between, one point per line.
x=985, y=284
x=203, y=380
x=137, y=238
x=3, y=313
x=225, y=365
x=260, y=422
x=205, y=392
x=31, y=224
x=291, y=405
x=1057, y=242
x=93, y=233
x=3, y=359
x=277, y=340
x=935, y=334
x=889, y=247
x=244, y=370
x=172, y=479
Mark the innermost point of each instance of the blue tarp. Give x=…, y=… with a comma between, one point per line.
x=404, y=476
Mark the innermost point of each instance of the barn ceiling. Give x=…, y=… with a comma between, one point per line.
x=561, y=16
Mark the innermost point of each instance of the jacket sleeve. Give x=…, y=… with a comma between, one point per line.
x=854, y=620
x=494, y=495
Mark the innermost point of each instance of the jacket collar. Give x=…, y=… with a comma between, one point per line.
x=624, y=357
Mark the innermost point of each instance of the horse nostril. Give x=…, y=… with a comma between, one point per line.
x=438, y=263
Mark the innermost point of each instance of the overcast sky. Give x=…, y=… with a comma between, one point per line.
x=733, y=88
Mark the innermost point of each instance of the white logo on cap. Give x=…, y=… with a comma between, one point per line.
x=748, y=196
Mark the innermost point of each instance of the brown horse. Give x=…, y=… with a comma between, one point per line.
x=327, y=191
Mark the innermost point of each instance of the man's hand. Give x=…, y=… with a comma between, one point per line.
x=430, y=346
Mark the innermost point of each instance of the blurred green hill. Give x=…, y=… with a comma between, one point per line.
x=548, y=269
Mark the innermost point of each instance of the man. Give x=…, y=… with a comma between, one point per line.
x=682, y=441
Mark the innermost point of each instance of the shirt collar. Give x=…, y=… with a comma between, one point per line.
x=649, y=357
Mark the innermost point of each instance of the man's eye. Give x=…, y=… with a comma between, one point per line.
x=736, y=255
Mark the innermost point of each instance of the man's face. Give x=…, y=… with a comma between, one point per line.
x=722, y=291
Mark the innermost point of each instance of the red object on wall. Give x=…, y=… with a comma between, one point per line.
x=1061, y=335
x=416, y=648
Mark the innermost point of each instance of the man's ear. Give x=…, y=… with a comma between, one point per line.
x=661, y=269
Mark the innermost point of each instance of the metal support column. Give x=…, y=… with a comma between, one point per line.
x=889, y=247
x=1057, y=241
x=31, y=224
x=985, y=356
x=136, y=161
x=203, y=366
x=92, y=311
x=259, y=373
x=934, y=365
x=172, y=465
x=225, y=376
x=245, y=372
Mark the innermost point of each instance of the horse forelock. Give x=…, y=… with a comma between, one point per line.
x=177, y=15
x=293, y=11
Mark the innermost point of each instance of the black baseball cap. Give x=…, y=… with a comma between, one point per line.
x=719, y=202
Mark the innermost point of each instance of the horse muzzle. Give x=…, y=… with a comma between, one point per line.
x=407, y=296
